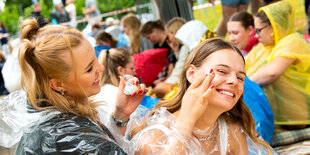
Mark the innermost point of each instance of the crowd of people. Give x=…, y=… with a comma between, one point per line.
x=232, y=90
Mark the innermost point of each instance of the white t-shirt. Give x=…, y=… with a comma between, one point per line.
x=107, y=96
x=72, y=13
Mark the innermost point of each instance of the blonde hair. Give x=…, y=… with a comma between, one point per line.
x=175, y=24
x=111, y=60
x=42, y=57
x=239, y=113
x=132, y=23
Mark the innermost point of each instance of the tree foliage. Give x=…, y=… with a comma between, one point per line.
x=15, y=8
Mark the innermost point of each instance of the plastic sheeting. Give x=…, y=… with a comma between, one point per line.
x=49, y=131
x=160, y=136
x=257, y=102
x=289, y=95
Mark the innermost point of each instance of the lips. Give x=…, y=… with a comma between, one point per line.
x=96, y=82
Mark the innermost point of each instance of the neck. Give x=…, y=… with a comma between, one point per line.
x=163, y=37
x=207, y=121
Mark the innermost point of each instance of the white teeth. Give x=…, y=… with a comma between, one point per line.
x=227, y=93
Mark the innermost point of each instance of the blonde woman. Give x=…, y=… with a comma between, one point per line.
x=131, y=27
x=59, y=72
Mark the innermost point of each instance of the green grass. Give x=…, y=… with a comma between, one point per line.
x=212, y=17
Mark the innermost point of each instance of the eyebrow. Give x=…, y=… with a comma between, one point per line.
x=223, y=65
x=89, y=65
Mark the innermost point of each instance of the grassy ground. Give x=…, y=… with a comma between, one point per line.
x=211, y=18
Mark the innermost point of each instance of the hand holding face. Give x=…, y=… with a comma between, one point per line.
x=127, y=104
x=195, y=101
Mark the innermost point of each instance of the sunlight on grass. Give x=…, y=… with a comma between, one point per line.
x=211, y=18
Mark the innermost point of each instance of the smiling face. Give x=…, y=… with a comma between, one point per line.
x=239, y=35
x=229, y=78
x=86, y=82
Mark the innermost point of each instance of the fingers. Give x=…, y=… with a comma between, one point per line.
x=121, y=83
x=208, y=92
x=135, y=82
x=197, y=81
x=206, y=82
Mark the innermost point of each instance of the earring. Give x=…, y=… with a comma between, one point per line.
x=272, y=36
x=62, y=92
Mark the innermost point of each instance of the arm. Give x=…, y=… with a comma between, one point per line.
x=90, y=10
x=269, y=73
x=178, y=141
x=127, y=104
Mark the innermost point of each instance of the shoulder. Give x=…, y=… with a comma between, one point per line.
x=75, y=134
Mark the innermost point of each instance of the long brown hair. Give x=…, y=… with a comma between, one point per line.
x=42, y=57
x=111, y=60
x=239, y=113
x=133, y=24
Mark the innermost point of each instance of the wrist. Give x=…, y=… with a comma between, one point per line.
x=120, y=116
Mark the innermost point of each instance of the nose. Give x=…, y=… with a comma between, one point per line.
x=231, y=37
x=232, y=79
x=256, y=35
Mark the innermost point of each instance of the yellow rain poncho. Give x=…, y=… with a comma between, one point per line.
x=289, y=95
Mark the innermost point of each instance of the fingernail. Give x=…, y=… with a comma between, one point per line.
x=212, y=86
x=211, y=70
x=134, y=94
x=119, y=77
x=140, y=92
x=146, y=90
x=207, y=74
x=137, y=82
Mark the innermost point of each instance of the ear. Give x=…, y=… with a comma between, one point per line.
x=250, y=30
x=56, y=85
x=190, y=73
x=120, y=70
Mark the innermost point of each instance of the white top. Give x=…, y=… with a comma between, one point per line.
x=72, y=13
x=191, y=32
x=176, y=72
x=107, y=96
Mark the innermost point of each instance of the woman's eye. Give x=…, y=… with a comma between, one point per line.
x=240, y=78
x=90, y=69
x=222, y=71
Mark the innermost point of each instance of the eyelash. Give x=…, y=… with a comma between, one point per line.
x=90, y=69
x=224, y=72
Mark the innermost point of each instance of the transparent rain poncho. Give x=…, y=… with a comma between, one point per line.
x=57, y=132
x=289, y=95
x=159, y=135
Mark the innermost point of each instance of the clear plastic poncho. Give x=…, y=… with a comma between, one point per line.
x=289, y=95
x=18, y=118
x=225, y=138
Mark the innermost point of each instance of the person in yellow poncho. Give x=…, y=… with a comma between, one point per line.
x=281, y=63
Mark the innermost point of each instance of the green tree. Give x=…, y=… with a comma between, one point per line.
x=10, y=18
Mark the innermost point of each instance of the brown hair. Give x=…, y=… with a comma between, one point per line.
x=244, y=18
x=111, y=59
x=106, y=37
x=150, y=25
x=263, y=17
x=43, y=55
x=175, y=24
x=133, y=24
x=239, y=113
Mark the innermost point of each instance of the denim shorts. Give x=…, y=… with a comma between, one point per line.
x=234, y=2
